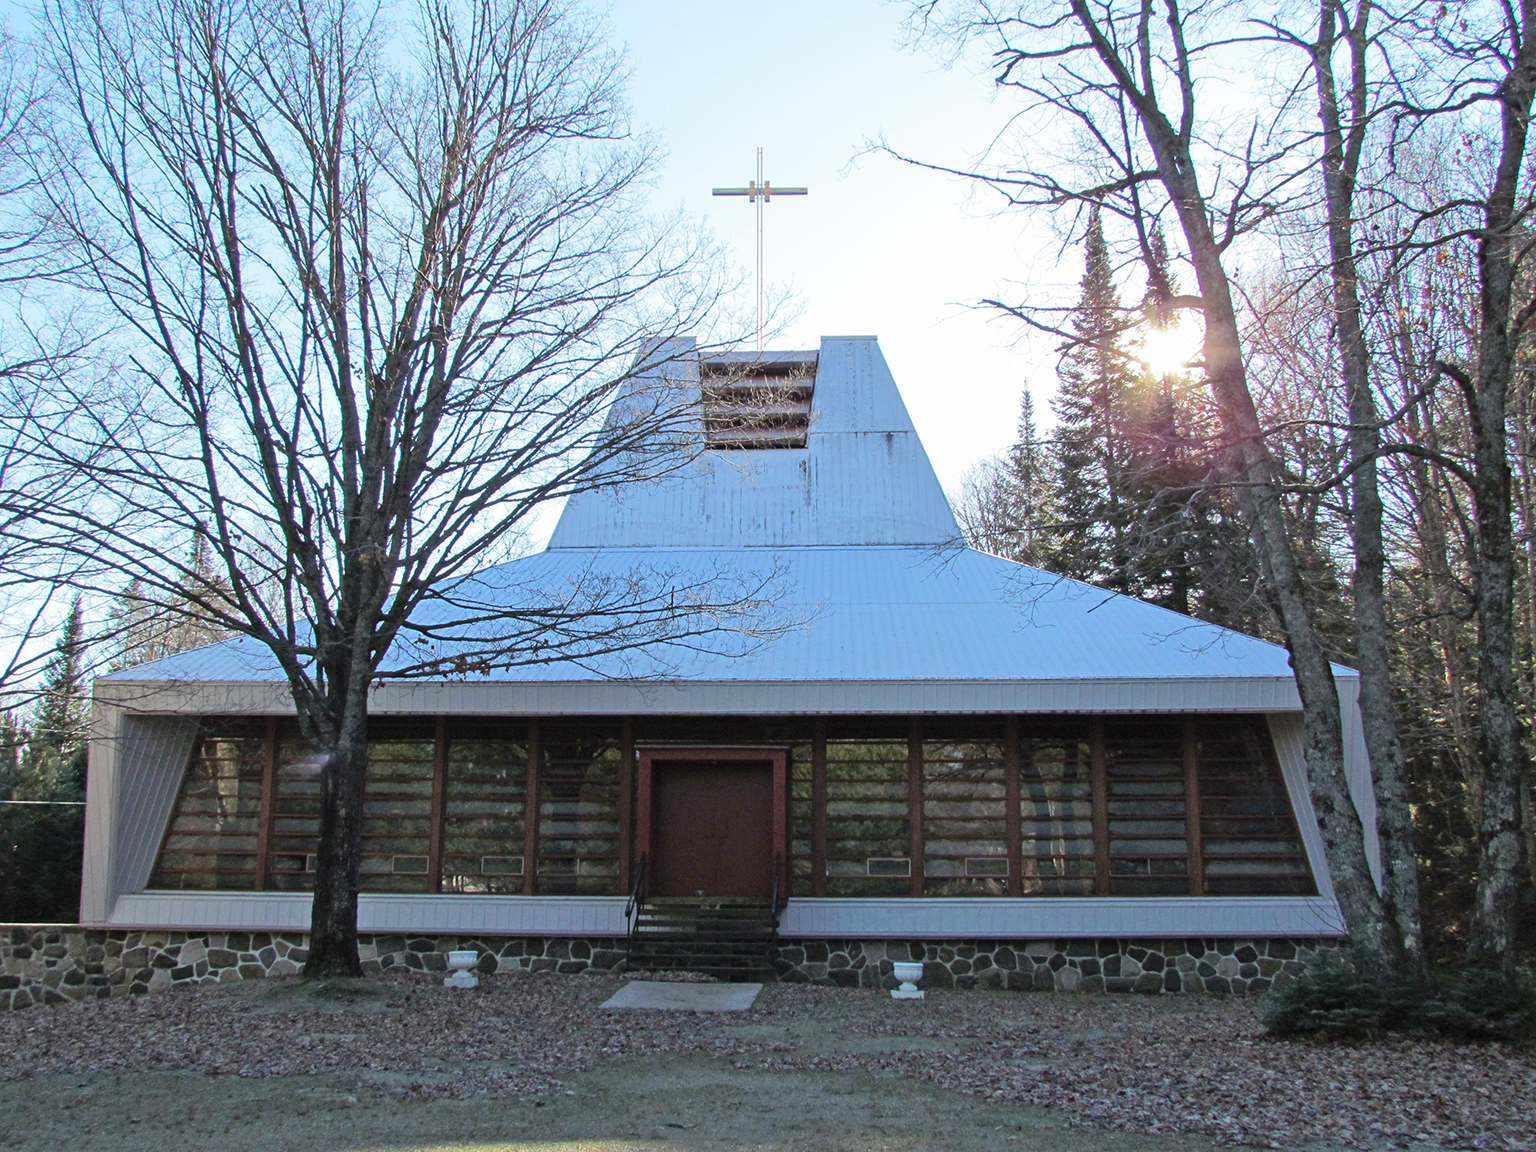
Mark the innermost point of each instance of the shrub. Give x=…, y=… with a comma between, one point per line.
x=1344, y=996
x=1480, y=1002
x=1340, y=996
x=40, y=850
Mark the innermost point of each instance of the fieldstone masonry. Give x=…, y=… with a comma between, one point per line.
x=54, y=963
x=1147, y=966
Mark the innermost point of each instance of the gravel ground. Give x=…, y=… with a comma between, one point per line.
x=1166, y=1065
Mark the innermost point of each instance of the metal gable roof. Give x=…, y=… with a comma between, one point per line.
x=867, y=580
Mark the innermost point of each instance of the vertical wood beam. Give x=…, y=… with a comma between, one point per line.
x=1013, y=826
x=819, y=807
x=626, y=804
x=1193, y=836
x=531, y=812
x=1098, y=765
x=915, y=801
x=645, y=818
x=439, y=805
x=781, y=834
x=268, y=804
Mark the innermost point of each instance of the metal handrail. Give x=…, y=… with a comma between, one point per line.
x=636, y=894
x=778, y=869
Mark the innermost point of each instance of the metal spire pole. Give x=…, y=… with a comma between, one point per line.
x=761, y=201
x=759, y=192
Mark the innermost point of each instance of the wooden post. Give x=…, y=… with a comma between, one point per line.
x=819, y=807
x=626, y=804
x=268, y=804
x=1013, y=828
x=439, y=805
x=1192, y=832
x=1099, y=769
x=531, y=813
x=915, y=801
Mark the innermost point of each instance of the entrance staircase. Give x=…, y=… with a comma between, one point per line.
x=727, y=937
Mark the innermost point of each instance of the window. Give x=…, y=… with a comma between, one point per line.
x=757, y=404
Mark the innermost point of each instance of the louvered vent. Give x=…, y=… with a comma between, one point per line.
x=753, y=403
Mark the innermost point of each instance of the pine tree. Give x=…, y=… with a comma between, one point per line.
x=13, y=738
x=53, y=764
x=1095, y=375
x=1006, y=506
x=145, y=629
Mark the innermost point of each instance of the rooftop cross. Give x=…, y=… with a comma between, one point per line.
x=759, y=192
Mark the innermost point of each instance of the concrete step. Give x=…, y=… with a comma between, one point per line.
x=731, y=938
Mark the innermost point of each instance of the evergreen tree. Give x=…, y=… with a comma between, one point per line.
x=53, y=763
x=1006, y=506
x=145, y=627
x=1187, y=542
x=1094, y=378
x=13, y=738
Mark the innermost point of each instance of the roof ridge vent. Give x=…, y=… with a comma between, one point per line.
x=757, y=402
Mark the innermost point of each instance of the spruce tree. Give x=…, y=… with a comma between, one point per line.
x=53, y=765
x=13, y=738
x=1006, y=506
x=144, y=628
x=1094, y=377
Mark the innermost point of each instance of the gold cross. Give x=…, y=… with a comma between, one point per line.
x=759, y=192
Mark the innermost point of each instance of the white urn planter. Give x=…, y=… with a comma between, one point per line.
x=460, y=964
x=909, y=972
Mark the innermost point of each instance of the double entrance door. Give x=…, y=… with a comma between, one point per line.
x=714, y=821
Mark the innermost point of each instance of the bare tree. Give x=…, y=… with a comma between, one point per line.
x=1128, y=79
x=36, y=345
x=1349, y=107
x=1490, y=62
x=380, y=276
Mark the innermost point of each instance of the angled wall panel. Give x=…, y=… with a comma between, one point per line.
x=152, y=757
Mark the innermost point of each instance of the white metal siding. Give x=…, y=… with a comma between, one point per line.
x=806, y=698
x=447, y=915
x=154, y=751
x=1034, y=918
x=862, y=478
x=136, y=765
x=936, y=918
x=1290, y=748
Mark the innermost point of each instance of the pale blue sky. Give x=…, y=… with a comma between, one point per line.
x=877, y=247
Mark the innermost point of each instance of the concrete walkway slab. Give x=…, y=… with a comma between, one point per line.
x=668, y=996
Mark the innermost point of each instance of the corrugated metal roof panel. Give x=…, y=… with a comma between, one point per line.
x=862, y=478
x=864, y=614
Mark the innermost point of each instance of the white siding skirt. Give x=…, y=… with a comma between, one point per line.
x=841, y=918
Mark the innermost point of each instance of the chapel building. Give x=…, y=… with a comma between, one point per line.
x=943, y=753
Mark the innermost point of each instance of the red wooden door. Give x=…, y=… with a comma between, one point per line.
x=712, y=827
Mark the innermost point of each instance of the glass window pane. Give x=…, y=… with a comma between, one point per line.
x=483, y=822
x=965, y=813
x=867, y=816
x=1056, y=817
x=210, y=843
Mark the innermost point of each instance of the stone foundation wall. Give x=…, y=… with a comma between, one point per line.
x=1146, y=966
x=54, y=963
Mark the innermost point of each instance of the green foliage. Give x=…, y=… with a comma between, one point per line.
x=1482, y=1003
x=40, y=850
x=1340, y=996
x=52, y=765
x=1347, y=996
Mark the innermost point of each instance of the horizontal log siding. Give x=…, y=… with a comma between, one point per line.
x=954, y=807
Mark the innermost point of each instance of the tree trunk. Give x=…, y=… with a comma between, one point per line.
x=1394, y=816
x=1500, y=746
x=1343, y=834
x=338, y=867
